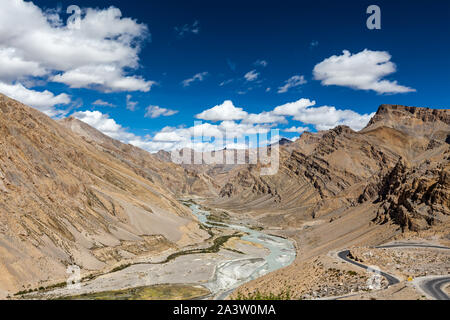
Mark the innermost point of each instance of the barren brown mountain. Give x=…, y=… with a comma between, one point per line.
x=82, y=198
x=400, y=161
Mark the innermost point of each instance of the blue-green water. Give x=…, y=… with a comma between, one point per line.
x=233, y=273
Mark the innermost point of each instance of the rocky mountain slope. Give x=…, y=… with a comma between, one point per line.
x=88, y=201
x=388, y=182
x=400, y=161
x=176, y=179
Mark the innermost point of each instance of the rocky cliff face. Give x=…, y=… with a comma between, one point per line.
x=88, y=201
x=415, y=198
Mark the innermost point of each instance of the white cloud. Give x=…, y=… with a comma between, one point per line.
x=224, y=111
x=111, y=128
x=102, y=103
x=43, y=101
x=363, y=71
x=251, y=75
x=261, y=63
x=292, y=82
x=296, y=129
x=94, y=55
x=131, y=105
x=14, y=66
x=264, y=117
x=168, y=136
x=206, y=136
x=104, y=123
x=234, y=123
x=197, y=77
x=156, y=111
x=324, y=117
x=239, y=129
x=108, y=78
x=293, y=108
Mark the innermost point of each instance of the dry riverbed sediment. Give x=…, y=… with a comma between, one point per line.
x=235, y=253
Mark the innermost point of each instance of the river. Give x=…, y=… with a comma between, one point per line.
x=231, y=274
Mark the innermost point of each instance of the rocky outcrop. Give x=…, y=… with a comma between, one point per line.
x=415, y=198
x=426, y=122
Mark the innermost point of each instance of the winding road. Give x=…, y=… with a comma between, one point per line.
x=432, y=286
x=344, y=256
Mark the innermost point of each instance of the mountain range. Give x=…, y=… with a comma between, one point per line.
x=72, y=195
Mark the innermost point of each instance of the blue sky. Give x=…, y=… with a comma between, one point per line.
x=239, y=51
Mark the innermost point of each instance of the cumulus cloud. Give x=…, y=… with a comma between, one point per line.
x=107, y=78
x=108, y=126
x=363, y=71
x=201, y=136
x=324, y=117
x=103, y=123
x=264, y=117
x=234, y=125
x=156, y=111
x=15, y=66
x=251, y=75
x=168, y=135
x=293, y=108
x=98, y=54
x=224, y=111
x=296, y=129
x=43, y=101
x=197, y=77
x=292, y=82
x=207, y=136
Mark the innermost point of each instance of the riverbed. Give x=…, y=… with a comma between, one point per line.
x=255, y=253
x=232, y=273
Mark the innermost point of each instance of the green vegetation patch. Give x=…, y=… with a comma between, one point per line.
x=218, y=243
x=156, y=292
